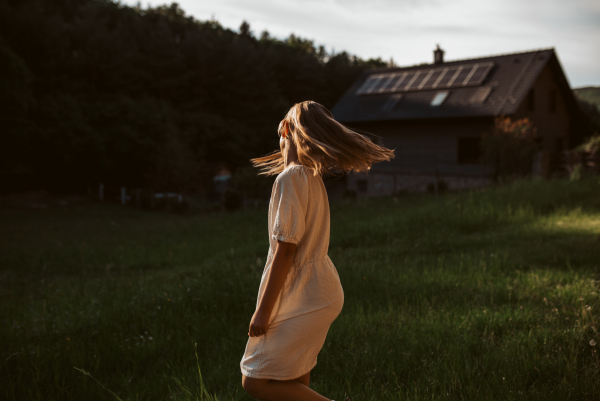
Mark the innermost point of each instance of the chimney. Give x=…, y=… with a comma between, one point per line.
x=438, y=55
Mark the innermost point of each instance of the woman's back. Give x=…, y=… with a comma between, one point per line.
x=297, y=188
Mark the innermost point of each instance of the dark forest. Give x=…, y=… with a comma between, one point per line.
x=96, y=91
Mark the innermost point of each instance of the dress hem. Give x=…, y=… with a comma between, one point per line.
x=271, y=377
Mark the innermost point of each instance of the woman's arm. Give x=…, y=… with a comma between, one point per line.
x=282, y=261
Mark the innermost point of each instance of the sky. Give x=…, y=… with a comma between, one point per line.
x=409, y=30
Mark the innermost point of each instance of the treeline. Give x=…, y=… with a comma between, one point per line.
x=589, y=106
x=94, y=90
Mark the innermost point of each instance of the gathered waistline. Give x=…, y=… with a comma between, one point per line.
x=326, y=258
x=271, y=254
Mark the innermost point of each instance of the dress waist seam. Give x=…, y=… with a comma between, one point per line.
x=326, y=258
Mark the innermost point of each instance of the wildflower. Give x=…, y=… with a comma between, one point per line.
x=592, y=342
x=158, y=307
x=581, y=298
x=150, y=338
x=68, y=339
x=587, y=307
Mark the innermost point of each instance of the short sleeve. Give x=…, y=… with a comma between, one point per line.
x=290, y=199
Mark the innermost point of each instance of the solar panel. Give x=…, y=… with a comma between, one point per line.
x=427, y=78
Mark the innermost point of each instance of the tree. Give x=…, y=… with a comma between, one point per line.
x=245, y=29
x=107, y=81
x=16, y=99
x=179, y=166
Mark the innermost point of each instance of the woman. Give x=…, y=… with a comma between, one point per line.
x=300, y=293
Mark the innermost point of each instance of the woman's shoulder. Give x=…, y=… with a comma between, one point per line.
x=294, y=173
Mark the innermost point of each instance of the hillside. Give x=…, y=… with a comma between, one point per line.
x=589, y=103
x=590, y=94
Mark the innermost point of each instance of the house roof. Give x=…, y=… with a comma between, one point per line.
x=498, y=89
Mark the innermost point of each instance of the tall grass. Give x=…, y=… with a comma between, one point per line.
x=483, y=295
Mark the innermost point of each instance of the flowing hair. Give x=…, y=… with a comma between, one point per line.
x=323, y=144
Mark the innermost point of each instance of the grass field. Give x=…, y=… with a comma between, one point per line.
x=484, y=295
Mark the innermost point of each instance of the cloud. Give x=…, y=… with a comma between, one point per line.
x=408, y=30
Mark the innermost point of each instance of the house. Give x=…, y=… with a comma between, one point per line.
x=433, y=115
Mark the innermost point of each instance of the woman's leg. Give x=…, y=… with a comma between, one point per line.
x=281, y=390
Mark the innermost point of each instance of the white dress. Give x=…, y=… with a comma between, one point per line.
x=312, y=296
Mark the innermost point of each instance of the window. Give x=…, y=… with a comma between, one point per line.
x=439, y=98
x=480, y=95
x=361, y=185
x=552, y=101
x=469, y=150
x=391, y=102
x=531, y=100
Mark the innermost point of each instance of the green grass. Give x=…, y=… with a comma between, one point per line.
x=484, y=295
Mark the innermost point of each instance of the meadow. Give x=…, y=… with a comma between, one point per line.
x=478, y=295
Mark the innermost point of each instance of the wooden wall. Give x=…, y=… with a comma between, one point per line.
x=426, y=146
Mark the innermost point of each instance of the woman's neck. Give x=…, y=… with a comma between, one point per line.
x=290, y=155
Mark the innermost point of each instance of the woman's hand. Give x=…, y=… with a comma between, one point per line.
x=259, y=324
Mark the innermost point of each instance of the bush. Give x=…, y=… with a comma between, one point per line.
x=592, y=144
x=246, y=180
x=576, y=173
x=232, y=199
x=509, y=147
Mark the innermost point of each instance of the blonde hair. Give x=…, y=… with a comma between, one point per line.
x=323, y=144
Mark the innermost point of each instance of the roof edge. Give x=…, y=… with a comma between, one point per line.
x=381, y=69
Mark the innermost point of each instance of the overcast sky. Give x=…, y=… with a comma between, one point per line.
x=408, y=30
